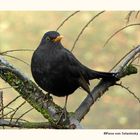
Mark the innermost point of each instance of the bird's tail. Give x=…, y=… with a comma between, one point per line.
x=105, y=75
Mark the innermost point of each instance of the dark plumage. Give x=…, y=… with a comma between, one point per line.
x=56, y=70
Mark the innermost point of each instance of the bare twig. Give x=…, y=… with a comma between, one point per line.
x=127, y=59
x=15, y=50
x=119, y=62
x=85, y=28
x=127, y=88
x=130, y=25
x=136, y=57
x=7, y=118
x=26, y=124
x=5, y=114
x=137, y=14
x=19, y=106
x=66, y=20
x=128, y=17
x=1, y=105
x=11, y=102
x=16, y=59
x=24, y=114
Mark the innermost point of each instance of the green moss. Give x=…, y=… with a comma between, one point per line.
x=35, y=125
x=130, y=69
x=26, y=89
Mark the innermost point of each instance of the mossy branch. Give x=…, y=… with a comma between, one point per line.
x=31, y=93
x=26, y=124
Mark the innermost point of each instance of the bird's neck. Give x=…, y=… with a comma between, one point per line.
x=50, y=46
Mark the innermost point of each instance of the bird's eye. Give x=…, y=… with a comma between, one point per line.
x=48, y=38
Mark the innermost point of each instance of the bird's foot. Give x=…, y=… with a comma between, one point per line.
x=47, y=100
x=48, y=97
x=91, y=96
x=63, y=115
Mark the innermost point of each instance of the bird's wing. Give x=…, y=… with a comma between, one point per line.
x=84, y=84
x=76, y=69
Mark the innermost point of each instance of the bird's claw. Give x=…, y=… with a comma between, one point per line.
x=48, y=97
x=63, y=113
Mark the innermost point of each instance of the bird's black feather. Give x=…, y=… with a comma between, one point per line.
x=56, y=70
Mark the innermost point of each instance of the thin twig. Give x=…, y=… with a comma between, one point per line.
x=85, y=28
x=10, y=108
x=16, y=58
x=136, y=57
x=19, y=106
x=11, y=102
x=15, y=50
x=128, y=17
x=5, y=114
x=66, y=20
x=1, y=105
x=23, y=120
x=24, y=114
x=122, y=59
x=127, y=88
x=27, y=124
x=137, y=14
x=135, y=24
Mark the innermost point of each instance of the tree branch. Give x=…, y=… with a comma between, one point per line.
x=1, y=103
x=122, y=69
x=26, y=124
x=1, y=106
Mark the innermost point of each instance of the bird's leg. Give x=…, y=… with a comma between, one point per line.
x=89, y=93
x=64, y=111
x=65, y=108
x=48, y=97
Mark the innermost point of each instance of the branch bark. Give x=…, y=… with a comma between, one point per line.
x=26, y=124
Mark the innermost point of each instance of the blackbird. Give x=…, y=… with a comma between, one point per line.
x=57, y=71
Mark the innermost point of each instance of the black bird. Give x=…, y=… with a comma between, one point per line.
x=57, y=71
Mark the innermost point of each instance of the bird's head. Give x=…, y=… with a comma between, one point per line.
x=52, y=37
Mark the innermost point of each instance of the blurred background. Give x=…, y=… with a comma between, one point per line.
x=24, y=30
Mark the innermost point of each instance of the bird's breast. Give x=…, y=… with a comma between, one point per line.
x=51, y=72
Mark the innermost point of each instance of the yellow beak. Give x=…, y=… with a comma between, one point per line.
x=58, y=39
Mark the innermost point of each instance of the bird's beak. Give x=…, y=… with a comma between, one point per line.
x=58, y=39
